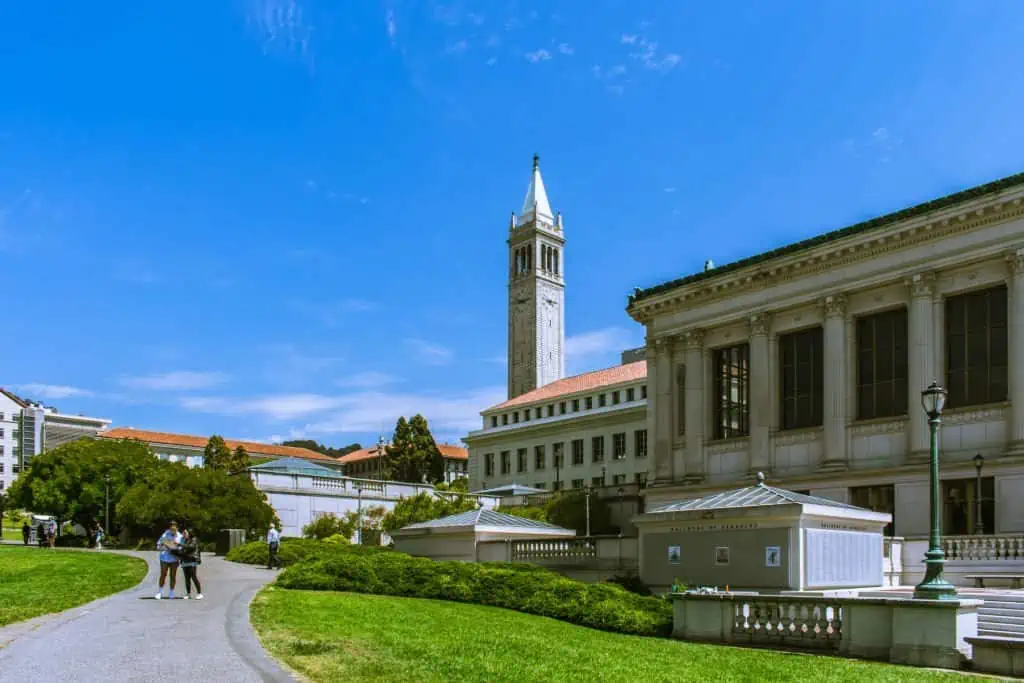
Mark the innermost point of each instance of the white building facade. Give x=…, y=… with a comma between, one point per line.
x=27, y=428
x=584, y=431
x=807, y=363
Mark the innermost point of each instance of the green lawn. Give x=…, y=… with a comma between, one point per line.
x=350, y=637
x=36, y=581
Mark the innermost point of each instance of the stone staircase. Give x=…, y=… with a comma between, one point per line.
x=1001, y=615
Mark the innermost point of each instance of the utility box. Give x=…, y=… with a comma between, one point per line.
x=228, y=539
x=764, y=539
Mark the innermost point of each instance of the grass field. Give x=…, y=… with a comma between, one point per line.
x=350, y=637
x=34, y=581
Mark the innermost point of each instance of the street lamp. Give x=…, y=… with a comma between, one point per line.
x=586, y=492
x=622, y=493
x=934, y=586
x=979, y=527
x=358, y=515
x=106, y=509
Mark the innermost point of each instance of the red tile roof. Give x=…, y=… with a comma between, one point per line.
x=588, y=381
x=447, y=450
x=254, y=448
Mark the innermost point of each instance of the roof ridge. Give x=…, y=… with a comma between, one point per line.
x=913, y=211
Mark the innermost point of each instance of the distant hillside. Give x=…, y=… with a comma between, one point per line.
x=320, y=448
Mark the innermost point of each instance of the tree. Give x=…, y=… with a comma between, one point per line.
x=217, y=455
x=325, y=526
x=203, y=498
x=424, y=507
x=239, y=460
x=3, y=506
x=569, y=510
x=460, y=484
x=538, y=513
x=68, y=481
x=413, y=455
x=311, y=445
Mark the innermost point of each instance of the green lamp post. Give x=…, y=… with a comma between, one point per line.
x=934, y=586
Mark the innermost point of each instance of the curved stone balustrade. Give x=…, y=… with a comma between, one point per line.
x=766, y=620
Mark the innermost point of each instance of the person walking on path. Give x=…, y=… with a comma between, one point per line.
x=273, y=545
x=169, y=540
x=26, y=531
x=99, y=537
x=191, y=558
x=51, y=534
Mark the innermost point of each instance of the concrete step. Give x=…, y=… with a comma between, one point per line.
x=999, y=632
x=1000, y=619
x=999, y=612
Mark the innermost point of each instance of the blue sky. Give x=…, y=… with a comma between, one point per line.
x=273, y=218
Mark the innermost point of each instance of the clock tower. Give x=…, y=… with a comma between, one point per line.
x=536, y=292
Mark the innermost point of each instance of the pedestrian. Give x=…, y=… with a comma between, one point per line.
x=191, y=558
x=41, y=535
x=273, y=545
x=168, y=541
x=26, y=531
x=99, y=537
x=51, y=534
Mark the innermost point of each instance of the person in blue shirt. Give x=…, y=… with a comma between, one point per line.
x=169, y=540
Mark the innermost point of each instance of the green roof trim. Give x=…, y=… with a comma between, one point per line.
x=856, y=229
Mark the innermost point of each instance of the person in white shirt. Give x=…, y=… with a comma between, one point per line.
x=273, y=545
x=169, y=541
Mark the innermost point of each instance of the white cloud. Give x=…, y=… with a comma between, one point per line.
x=598, y=342
x=334, y=313
x=392, y=27
x=180, y=380
x=538, y=56
x=430, y=353
x=628, y=38
x=359, y=412
x=367, y=380
x=281, y=25
x=276, y=407
x=565, y=48
x=50, y=392
x=456, y=48
x=289, y=365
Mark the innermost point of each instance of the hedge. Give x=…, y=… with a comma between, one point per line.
x=294, y=550
x=525, y=588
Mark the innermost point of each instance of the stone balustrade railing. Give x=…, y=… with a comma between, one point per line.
x=778, y=621
x=984, y=548
x=576, y=549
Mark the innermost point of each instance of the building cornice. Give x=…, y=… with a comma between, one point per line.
x=558, y=423
x=819, y=256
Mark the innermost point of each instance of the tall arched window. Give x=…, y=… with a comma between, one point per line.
x=554, y=253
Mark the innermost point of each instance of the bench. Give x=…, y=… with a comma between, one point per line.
x=979, y=579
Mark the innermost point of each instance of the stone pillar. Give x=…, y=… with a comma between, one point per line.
x=835, y=411
x=760, y=396
x=921, y=355
x=696, y=400
x=1015, y=329
x=659, y=414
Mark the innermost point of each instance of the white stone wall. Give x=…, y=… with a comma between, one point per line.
x=565, y=429
x=9, y=412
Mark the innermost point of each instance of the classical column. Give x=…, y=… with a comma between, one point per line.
x=1016, y=346
x=696, y=399
x=835, y=383
x=921, y=355
x=760, y=395
x=659, y=415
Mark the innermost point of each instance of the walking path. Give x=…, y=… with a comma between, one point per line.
x=131, y=637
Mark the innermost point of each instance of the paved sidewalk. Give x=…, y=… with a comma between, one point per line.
x=131, y=637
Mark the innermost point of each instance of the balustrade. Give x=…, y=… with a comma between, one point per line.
x=533, y=551
x=766, y=620
x=984, y=548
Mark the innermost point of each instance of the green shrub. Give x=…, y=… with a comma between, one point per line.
x=525, y=588
x=295, y=550
x=632, y=583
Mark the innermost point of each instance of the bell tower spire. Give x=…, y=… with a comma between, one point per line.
x=536, y=304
